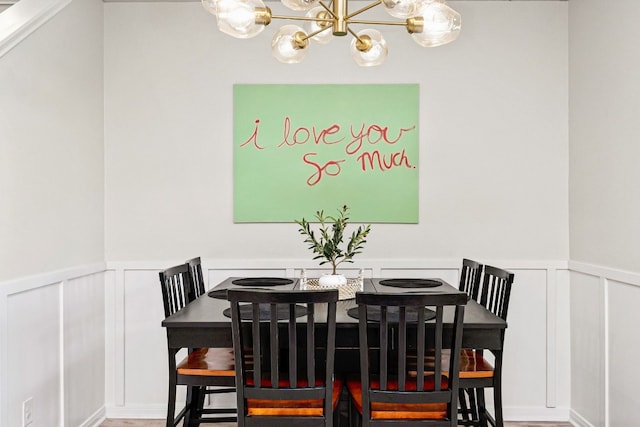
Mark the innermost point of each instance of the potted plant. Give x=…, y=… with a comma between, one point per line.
x=329, y=245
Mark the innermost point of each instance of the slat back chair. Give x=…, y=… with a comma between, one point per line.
x=195, y=266
x=177, y=288
x=496, y=290
x=470, y=277
x=295, y=389
x=476, y=372
x=426, y=397
x=202, y=367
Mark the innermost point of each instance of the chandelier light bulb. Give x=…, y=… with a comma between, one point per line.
x=430, y=22
x=300, y=4
x=242, y=19
x=210, y=6
x=369, y=49
x=290, y=45
x=401, y=8
x=311, y=27
x=441, y=24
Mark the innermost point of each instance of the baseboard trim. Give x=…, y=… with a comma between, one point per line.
x=95, y=419
x=147, y=412
x=536, y=414
x=578, y=420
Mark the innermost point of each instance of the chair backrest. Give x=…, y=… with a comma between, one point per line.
x=177, y=288
x=470, y=276
x=197, y=277
x=267, y=329
x=496, y=290
x=405, y=337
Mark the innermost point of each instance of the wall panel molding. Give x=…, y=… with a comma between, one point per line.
x=623, y=276
x=615, y=292
x=40, y=300
x=21, y=284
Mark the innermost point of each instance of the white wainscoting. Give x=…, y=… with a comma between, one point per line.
x=537, y=338
x=52, y=347
x=604, y=346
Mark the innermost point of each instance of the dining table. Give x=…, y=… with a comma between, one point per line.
x=205, y=322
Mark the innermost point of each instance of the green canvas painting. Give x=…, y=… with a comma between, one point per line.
x=303, y=148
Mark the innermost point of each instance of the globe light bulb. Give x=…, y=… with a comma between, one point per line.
x=300, y=4
x=441, y=24
x=311, y=27
x=290, y=45
x=369, y=49
x=401, y=8
x=210, y=6
x=242, y=19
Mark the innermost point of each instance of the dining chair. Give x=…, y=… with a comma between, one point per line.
x=478, y=373
x=470, y=277
x=196, y=274
x=201, y=367
x=285, y=367
x=393, y=389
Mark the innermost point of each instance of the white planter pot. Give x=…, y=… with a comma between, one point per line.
x=332, y=280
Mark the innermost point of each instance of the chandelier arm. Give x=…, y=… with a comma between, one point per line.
x=328, y=9
x=316, y=33
x=364, y=21
x=301, y=18
x=364, y=9
x=354, y=34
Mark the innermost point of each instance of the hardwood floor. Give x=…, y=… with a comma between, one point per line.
x=160, y=423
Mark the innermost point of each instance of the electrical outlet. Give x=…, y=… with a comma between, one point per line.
x=27, y=412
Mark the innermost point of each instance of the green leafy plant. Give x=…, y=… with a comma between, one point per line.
x=331, y=230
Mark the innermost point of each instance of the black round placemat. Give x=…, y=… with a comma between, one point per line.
x=373, y=314
x=262, y=281
x=218, y=293
x=411, y=283
x=246, y=312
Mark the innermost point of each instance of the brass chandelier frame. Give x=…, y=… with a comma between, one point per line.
x=338, y=18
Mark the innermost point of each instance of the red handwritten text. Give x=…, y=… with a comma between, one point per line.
x=302, y=134
x=254, y=137
x=373, y=159
x=372, y=135
x=331, y=168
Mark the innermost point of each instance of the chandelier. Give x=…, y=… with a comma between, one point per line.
x=429, y=22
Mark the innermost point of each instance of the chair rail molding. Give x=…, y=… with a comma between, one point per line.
x=23, y=18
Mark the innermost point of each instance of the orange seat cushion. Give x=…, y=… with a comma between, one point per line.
x=303, y=408
x=431, y=411
x=474, y=365
x=212, y=362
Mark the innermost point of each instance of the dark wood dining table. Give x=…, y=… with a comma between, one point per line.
x=203, y=323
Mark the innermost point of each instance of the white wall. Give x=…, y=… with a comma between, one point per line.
x=493, y=177
x=51, y=146
x=52, y=216
x=493, y=129
x=604, y=209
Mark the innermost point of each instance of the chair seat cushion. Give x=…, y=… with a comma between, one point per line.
x=216, y=362
x=304, y=408
x=474, y=365
x=437, y=411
